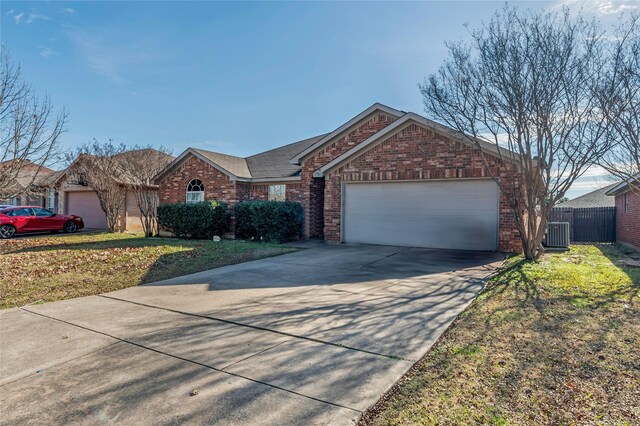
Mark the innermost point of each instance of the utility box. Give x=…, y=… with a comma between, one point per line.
x=557, y=235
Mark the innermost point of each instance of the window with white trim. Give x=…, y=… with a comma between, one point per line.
x=195, y=191
x=277, y=192
x=51, y=199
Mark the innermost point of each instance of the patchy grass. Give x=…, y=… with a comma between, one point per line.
x=550, y=342
x=66, y=266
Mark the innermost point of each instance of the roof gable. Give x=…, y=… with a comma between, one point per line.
x=271, y=164
x=400, y=124
x=29, y=173
x=55, y=178
x=297, y=159
x=625, y=185
x=232, y=165
x=210, y=158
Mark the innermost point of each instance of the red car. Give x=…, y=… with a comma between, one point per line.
x=21, y=219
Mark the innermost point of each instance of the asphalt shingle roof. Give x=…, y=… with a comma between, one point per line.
x=268, y=164
x=276, y=162
x=597, y=198
x=232, y=164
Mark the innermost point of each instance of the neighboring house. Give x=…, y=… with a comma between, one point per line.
x=33, y=190
x=383, y=177
x=627, y=201
x=76, y=197
x=597, y=198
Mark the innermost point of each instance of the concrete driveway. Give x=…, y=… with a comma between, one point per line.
x=312, y=337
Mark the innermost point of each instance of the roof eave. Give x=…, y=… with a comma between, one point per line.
x=377, y=106
x=623, y=186
x=395, y=127
x=196, y=154
x=267, y=179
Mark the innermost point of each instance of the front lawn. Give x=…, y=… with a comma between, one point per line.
x=61, y=267
x=551, y=342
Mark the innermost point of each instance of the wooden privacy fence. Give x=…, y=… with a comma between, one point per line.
x=587, y=225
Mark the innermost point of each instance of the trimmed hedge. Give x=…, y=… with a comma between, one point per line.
x=271, y=221
x=194, y=220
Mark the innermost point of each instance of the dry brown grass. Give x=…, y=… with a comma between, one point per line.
x=67, y=266
x=551, y=342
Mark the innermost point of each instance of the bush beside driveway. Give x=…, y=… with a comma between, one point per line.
x=549, y=342
x=49, y=268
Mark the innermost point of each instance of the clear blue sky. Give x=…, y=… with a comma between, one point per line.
x=234, y=77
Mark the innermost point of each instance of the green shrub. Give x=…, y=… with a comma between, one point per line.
x=244, y=221
x=271, y=221
x=194, y=220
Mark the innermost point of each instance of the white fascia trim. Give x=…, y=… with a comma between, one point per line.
x=377, y=106
x=181, y=157
x=170, y=166
x=393, y=128
x=263, y=180
x=622, y=185
x=213, y=164
x=362, y=146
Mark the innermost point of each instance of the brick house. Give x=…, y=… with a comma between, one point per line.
x=383, y=177
x=627, y=198
x=73, y=195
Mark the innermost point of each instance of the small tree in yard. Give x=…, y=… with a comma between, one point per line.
x=525, y=83
x=141, y=165
x=100, y=166
x=29, y=130
x=620, y=100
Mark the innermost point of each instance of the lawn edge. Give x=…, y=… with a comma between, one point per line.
x=229, y=265
x=367, y=417
x=285, y=249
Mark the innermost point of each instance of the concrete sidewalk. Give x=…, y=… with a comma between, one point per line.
x=312, y=337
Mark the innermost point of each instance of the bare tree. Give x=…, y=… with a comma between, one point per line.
x=29, y=130
x=524, y=83
x=101, y=167
x=619, y=96
x=141, y=165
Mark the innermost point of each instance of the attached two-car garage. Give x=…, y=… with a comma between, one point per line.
x=448, y=214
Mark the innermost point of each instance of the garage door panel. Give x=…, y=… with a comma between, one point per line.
x=456, y=215
x=86, y=205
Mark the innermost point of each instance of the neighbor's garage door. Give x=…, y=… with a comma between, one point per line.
x=441, y=214
x=86, y=205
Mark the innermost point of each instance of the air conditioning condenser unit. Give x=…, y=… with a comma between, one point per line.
x=557, y=235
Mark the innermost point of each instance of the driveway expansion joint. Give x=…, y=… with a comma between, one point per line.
x=256, y=327
x=210, y=367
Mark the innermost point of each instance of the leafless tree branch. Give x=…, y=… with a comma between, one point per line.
x=29, y=130
x=619, y=96
x=101, y=167
x=525, y=82
x=141, y=165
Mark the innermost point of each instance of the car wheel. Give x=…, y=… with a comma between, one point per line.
x=70, y=227
x=7, y=231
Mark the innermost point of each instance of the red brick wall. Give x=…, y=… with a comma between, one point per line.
x=243, y=191
x=417, y=153
x=217, y=186
x=313, y=189
x=261, y=192
x=628, y=221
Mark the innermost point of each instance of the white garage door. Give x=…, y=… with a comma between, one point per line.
x=441, y=214
x=86, y=205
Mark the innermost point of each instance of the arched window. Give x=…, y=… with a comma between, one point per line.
x=195, y=191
